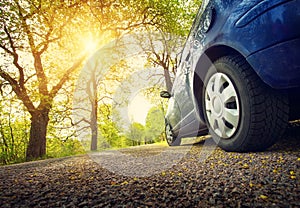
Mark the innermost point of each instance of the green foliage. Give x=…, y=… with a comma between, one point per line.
x=154, y=129
x=14, y=135
x=59, y=148
x=50, y=34
x=136, y=134
x=14, y=131
x=110, y=136
x=13, y=142
x=170, y=16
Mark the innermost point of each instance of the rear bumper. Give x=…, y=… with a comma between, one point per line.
x=278, y=65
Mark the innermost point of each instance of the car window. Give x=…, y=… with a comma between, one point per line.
x=193, y=31
x=198, y=16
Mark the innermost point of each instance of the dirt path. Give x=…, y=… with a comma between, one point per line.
x=140, y=178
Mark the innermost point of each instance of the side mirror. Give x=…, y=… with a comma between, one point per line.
x=165, y=94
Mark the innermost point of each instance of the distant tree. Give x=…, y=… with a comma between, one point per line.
x=110, y=135
x=43, y=44
x=13, y=129
x=167, y=41
x=154, y=125
x=125, y=17
x=136, y=134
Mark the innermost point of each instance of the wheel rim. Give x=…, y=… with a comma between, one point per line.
x=222, y=105
x=169, y=134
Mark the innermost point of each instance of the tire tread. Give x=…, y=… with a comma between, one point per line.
x=269, y=109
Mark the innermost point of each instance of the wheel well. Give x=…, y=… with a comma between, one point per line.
x=203, y=64
x=294, y=100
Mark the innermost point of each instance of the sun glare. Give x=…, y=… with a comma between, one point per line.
x=90, y=45
x=138, y=109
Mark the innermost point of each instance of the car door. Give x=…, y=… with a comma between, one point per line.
x=182, y=91
x=179, y=104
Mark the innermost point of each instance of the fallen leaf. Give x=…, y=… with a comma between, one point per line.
x=264, y=197
x=124, y=183
x=245, y=166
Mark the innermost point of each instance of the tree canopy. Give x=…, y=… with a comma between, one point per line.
x=44, y=44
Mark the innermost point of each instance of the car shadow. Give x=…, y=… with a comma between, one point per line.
x=290, y=141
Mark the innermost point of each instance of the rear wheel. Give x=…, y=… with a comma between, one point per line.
x=242, y=113
x=171, y=138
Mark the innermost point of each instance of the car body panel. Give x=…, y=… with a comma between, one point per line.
x=272, y=26
x=264, y=32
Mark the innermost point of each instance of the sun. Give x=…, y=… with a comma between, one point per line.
x=90, y=41
x=90, y=45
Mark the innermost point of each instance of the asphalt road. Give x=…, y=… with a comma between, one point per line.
x=192, y=175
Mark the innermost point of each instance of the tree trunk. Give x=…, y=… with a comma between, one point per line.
x=94, y=117
x=38, y=130
x=94, y=129
x=94, y=125
x=168, y=80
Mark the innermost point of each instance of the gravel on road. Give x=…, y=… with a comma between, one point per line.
x=224, y=179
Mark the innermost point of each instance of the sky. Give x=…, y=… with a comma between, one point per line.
x=138, y=109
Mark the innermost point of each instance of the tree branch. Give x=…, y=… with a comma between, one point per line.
x=42, y=79
x=22, y=95
x=15, y=57
x=66, y=76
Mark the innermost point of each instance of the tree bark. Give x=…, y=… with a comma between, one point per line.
x=94, y=127
x=92, y=91
x=167, y=76
x=38, y=130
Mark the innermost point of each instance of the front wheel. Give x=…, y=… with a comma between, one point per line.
x=242, y=113
x=172, y=139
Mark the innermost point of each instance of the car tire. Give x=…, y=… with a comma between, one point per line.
x=171, y=138
x=242, y=113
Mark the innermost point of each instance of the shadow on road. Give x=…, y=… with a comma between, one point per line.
x=290, y=141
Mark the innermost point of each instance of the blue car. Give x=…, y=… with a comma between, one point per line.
x=239, y=75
